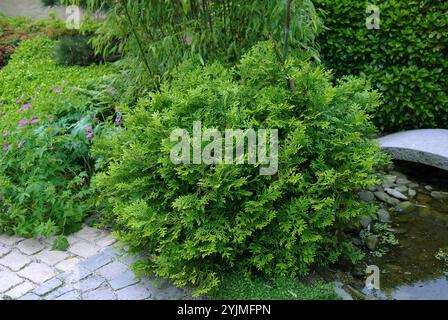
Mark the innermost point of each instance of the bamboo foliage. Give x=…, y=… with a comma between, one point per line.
x=158, y=34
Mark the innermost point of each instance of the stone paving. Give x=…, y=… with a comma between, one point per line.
x=91, y=269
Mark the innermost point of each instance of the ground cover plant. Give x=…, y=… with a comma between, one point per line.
x=14, y=30
x=236, y=286
x=406, y=59
x=195, y=222
x=48, y=114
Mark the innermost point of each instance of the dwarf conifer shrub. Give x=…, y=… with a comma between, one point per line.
x=194, y=221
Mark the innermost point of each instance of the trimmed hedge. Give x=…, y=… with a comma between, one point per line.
x=406, y=59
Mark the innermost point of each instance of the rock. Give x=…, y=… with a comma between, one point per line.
x=429, y=188
x=402, y=181
x=424, y=198
x=412, y=193
x=382, y=196
x=396, y=194
x=366, y=196
x=365, y=221
x=423, y=211
x=389, y=179
x=338, y=288
x=398, y=174
x=371, y=242
x=401, y=189
x=383, y=216
x=413, y=185
x=372, y=189
x=439, y=195
x=405, y=207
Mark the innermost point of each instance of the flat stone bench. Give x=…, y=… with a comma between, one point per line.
x=426, y=146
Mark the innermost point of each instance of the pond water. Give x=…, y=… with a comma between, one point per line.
x=411, y=270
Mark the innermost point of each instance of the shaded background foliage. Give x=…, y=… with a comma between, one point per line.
x=155, y=35
x=406, y=59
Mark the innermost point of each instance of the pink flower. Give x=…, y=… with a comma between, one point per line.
x=1, y=104
x=64, y=81
x=23, y=122
x=5, y=133
x=117, y=120
x=20, y=144
x=5, y=146
x=34, y=121
x=94, y=118
x=18, y=101
x=58, y=90
x=89, y=135
x=89, y=128
x=26, y=106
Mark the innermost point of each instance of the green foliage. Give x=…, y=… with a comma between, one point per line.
x=60, y=243
x=386, y=238
x=442, y=255
x=157, y=35
x=45, y=164
x=236, y=286
x=13, y=30
x=75, y=50
x=406, y=59
x=51, y=2
x=196, y=221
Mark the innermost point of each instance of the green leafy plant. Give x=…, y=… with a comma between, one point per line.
x=75, y=50
x=155, y=36
x=237, y=286
x=442, y=255
x=406, y=59
x=60, y=243
x=13, y=30
x=46, y=120
x=195, y=221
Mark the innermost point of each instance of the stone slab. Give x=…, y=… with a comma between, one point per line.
x=426, y=146
x=37, y=272
x=15, y=260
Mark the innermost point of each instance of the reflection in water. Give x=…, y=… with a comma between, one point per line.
x=410, y=270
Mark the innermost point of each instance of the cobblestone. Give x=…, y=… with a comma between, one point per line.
x=91, y=269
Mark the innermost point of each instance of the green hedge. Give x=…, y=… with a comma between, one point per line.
x=406, y=59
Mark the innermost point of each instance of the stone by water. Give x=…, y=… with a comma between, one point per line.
x=410, y=270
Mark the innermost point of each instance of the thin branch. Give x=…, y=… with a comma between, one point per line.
x=136, y=36
x=288, y=20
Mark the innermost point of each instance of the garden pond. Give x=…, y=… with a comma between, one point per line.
x=411, y=270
